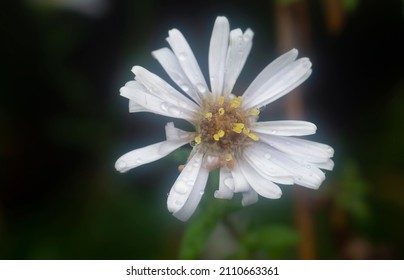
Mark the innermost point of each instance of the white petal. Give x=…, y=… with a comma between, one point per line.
x=171, y=65
x=249, y=197
x=259, y=157
x=226, y=185
x=173, y=133
x=327, y=165
x=155, y=104
x=261, y=185
x=310, y=151
x=239, y=49
x=188, y=189
x=160, y=88
x=147, y=154
x=217, y=54
x=285, y=128
x=187, y=61
x=304, y=173
x=240, y=182
x=272, y=69
x=134, y=107
x=277, y=79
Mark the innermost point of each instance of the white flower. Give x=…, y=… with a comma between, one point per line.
x=253, y=157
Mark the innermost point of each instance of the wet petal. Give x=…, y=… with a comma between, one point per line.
x=285, y=128
x=154, y=104
x=249, y=197
x=240, y=182
x=277, y=79
x=217, y=54
x=188, y=189
x=187, y=61
x=226, y=185
x=147, y=154
x=170, y=63
x=173, y=133
x=261, y=185
x=239, y=49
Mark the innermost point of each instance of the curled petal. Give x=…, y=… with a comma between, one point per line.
x=226, y=185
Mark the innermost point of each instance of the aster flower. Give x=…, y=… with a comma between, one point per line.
x=253, y=157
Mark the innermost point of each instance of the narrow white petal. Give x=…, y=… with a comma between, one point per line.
x=240, y=182
x=271, y=85
x=173, y=133
x=260, y=158
x=147, y=154
x=307, y=150
x=155, y=104
x=217, y=54
x=327, y=165
x=285, y=128
x=304, y=173
x=272, y=69
x=249, y=197
x=134, y=107
x=170, y=63
x=261, y=185
x=160, y=88
x=226, y=185
x=187, y=61
x=188, y=189
x=239, y=49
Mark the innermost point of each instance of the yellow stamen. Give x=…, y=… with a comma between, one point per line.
x=221, y=111
x=228, y=157
x=221, y=100
x=220, y=133
x=238, y=127
x=208, y=115
x=246, y=130
x=235, y=103
x=253, y=136
x=198, y=139
x=255, y=112
x=216, y=137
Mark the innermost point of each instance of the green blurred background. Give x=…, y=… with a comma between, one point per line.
x=63, y=125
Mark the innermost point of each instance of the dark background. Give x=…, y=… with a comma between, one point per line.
x=63, y=125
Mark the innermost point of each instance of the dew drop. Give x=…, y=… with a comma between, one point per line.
x=247, y=38
x=201, y=192
x=139, y=160
x=267, y=156
x=273, y=131
x=196, y=165
x=240, y=38
x=182, y=104
x=174, y=110
x=182, y=56
x=181, y=188
x=201, y=88
x=164, y=106
x=185, y=88
x=178, y=202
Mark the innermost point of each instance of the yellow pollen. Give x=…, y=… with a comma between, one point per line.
x=221, y=100
x=235, y=103
x=216, y=137
x=198, y=139
x=253, y=136
x=208, y=115
x=255, y=112
x=238, y=127
x=220, y=133
x=246, y=130
x=221, y=111
x=228, y=157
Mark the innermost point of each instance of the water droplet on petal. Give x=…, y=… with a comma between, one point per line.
x=196, y=165
x=201, y=192
x=178, y=202
x=174, y=110
x=267, y=156
x=201, y=88
x=181, y=188
x=184, y=88
x=182, y=56
x=164, y=106
x=273, y=131
x=139, y=160
x=182, y=104
x=247, y=37
x=240, y=38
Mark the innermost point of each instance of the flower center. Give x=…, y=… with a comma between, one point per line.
x=223, y=128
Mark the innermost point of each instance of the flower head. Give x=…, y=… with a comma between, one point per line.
x=253, y=157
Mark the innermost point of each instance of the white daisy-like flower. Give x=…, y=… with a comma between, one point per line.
x=253, y=156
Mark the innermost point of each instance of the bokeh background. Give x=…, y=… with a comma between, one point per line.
x=63, y=125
